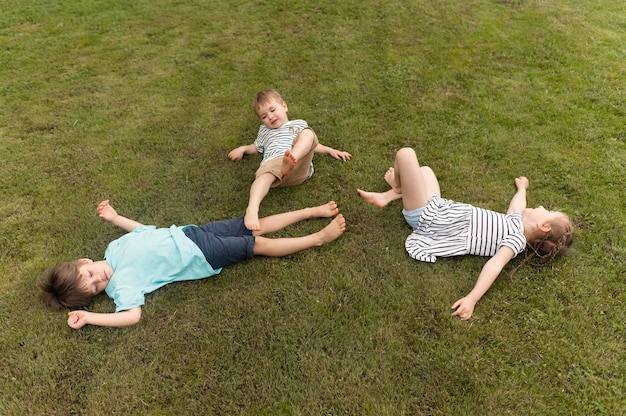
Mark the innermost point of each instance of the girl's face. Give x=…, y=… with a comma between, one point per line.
x=273, y=114
x=541, y=216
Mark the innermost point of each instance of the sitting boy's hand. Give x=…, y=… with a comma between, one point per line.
x=106, y=211
x=236, y=154
x=77, y=319
x=339, y=155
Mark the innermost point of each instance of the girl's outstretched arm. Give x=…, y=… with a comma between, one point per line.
x=489, y=273
x=518, y=202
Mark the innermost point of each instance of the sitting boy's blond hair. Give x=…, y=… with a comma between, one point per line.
x=264, y=97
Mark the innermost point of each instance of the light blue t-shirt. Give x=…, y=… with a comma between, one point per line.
x=148, y=258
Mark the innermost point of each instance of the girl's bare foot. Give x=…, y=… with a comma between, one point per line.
x=325, y=211
x=380, y=199
x=334, y=230
x=390, y=178
x=251, y=220
x=289, y=162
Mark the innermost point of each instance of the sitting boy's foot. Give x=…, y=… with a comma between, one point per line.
x=390, y=178
x=289, y=162
x=251, y=220
x=380, y=199
x=325, y=211
x=334, y=230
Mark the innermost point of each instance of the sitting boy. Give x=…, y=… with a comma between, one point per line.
x=148, y=258
x=287, y=147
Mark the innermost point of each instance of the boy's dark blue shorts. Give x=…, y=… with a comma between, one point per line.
x=222, y=242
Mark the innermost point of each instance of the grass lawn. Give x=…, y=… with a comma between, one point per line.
x=140, y=101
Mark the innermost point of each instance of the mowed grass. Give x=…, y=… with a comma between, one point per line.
x=139, y=102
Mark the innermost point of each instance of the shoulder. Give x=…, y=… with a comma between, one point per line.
x=297, y=123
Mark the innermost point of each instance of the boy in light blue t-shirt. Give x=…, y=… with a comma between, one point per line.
x=148, y=258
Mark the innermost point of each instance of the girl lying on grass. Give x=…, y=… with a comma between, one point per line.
x=446, y=228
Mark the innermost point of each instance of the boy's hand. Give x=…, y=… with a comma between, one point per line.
x=521, y=182
x=77, y=319
x=236, y=154
x=106, y=211
x=339, y=155
x=464, y=308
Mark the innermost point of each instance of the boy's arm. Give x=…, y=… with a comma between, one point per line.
x=339, y=155
x=78, y=319
x=238, y=153
x=489, y=273
x=518, y=202
x=108, y=213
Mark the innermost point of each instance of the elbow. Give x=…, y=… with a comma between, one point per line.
x=133, y=317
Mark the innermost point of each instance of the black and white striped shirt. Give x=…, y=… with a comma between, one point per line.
x=274, y=142
x=447, y=228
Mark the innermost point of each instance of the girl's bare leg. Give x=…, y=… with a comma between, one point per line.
x=380, y=199
x=416, y=184
x=280, y=221
x=390, y=178
x=420, y=183
x=278, y=247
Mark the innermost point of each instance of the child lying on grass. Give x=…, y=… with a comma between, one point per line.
x=446, y=228
x=148, y=258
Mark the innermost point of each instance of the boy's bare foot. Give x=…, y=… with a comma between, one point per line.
x=325, y=211
x=289, y=162
x=251, y=220
x=380, y=199
x=334, y=230
x=390, y=178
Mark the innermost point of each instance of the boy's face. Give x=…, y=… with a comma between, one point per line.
x=95, y=275
x=273, y=114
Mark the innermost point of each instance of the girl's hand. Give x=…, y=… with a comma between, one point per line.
x=521, y=182
x=464, y=308
x=77, y=319
x=106, y=211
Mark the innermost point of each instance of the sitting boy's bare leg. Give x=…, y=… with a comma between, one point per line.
x=380, y=199
x=289, y=162
x=260, y=187
x=301, y=147
x=279, y=247
x=390, y=178
x=279, y=221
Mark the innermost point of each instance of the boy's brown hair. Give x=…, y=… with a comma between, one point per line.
x=63, y=287
x=264, y=97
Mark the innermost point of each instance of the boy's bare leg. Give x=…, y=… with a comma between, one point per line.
x=260, y=187
x=380, y=199
x=280, y=221
x=300, y=148
x=289, y=162
x=279, y=247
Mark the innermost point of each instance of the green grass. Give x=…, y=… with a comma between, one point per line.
x=140, y=102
